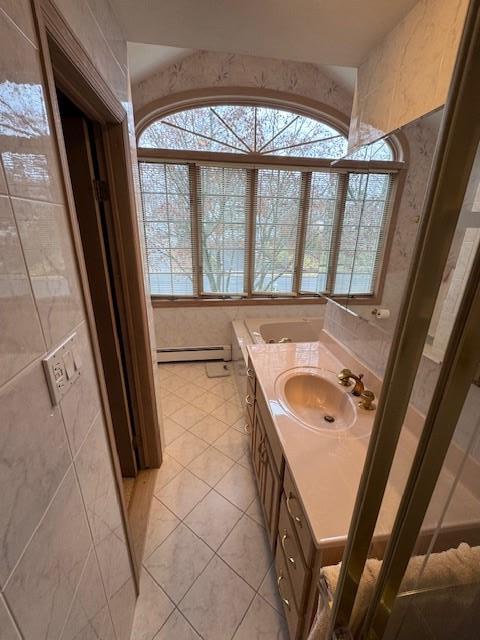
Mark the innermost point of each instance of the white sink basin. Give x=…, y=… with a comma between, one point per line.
x=313, y=396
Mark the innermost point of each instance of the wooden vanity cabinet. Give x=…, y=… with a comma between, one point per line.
x=296, y=558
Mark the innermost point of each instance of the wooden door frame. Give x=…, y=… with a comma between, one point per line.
x=78, y=78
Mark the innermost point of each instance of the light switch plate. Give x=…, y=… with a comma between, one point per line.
x=62, y=368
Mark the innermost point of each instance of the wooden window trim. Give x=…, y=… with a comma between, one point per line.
x=296, y=297
x=302, y=106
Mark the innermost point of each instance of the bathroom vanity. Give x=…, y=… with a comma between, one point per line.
x=308, y=469
x=293, y=466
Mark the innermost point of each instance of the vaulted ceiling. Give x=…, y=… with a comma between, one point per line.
x=331, y=32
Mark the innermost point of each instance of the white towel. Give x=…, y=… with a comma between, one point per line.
x=453, y=567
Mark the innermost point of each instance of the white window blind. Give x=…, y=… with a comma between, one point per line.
x=225, y=230
x=362, y=230
x=168, y=230
x=222, y=196
x=276, y=228
x=320, y=230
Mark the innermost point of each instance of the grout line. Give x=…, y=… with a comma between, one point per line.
x=75, y=591
x=47, y=509
x=22, y=33
x=243, y=512
x=13, y=620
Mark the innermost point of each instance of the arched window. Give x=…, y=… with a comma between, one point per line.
x=244, y=200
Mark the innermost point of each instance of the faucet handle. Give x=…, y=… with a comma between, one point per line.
x=344, y=377
x=366, y=400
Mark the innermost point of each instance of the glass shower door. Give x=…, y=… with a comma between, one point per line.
x=413, y=480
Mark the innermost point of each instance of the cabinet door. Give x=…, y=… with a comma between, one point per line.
x=258, y=442
x=270, y=493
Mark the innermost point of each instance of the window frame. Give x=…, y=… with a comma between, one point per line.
x=253, y=162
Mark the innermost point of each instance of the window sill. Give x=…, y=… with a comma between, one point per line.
x=165, y=303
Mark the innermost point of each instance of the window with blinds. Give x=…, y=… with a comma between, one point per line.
x=233, y=231
x=246, y=199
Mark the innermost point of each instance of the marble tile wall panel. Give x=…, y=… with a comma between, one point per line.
x=408, y=74
x=48, y=249
x=43, y=584
x=22, y=338
x=89, y=615
x=7, y=624
x=95, y=475
x=192, y=326
x=34, y=459
x=59, y=558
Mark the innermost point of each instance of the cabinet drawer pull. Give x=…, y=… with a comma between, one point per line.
x=285, y=601
x=249, y=401
x=283, y=541
x=250, y=372
x=246, y=428
x=297, y=519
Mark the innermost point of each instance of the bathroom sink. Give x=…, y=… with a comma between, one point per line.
x=314, y=397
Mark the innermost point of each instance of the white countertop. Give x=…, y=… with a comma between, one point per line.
x=326, y=465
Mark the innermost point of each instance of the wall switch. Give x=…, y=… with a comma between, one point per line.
x=62, y=368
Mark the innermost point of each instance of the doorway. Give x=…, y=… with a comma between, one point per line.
x=85, y=156
x=92, y=132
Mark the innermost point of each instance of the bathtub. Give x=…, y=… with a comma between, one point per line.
x=271, y=330
x=259, y=330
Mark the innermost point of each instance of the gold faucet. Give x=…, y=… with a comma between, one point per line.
x=345, y=376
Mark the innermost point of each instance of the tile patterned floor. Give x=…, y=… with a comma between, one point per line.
x=207, y=571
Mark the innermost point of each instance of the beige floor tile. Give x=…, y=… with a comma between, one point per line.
x=189, y=391
x=213, y=518
x=186, y=448
x=178, y=561
x=239, y=425
x=161, y=523
x=194, y=372
x=152, y=609
x=217, y=602
x=228, y=412
x=211, y=466
x=207, y=401
x=262, y=622
x=172, y=430
x=246, y=460
x=171, y=404
x=177, y=628
x=233, y=444
x=182, y=493
x=172, y=382
x=168, y=470
x=209, y=429
x=246, y=550
x=208, y=383
x=255, y=512
x=269, y=590
x=188, y=415
x=225, y=389
x=238, y=486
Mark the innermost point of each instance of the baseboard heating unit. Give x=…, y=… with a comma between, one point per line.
x=188, y=354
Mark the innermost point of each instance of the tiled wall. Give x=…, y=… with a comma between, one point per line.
x=408, y=74
x=209, y=69
x=372, y=345
x=64, y=566
x=208, y=326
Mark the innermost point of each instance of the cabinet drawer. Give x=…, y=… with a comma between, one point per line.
x=285, y=589
x=297, y=569
x=295, y=511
